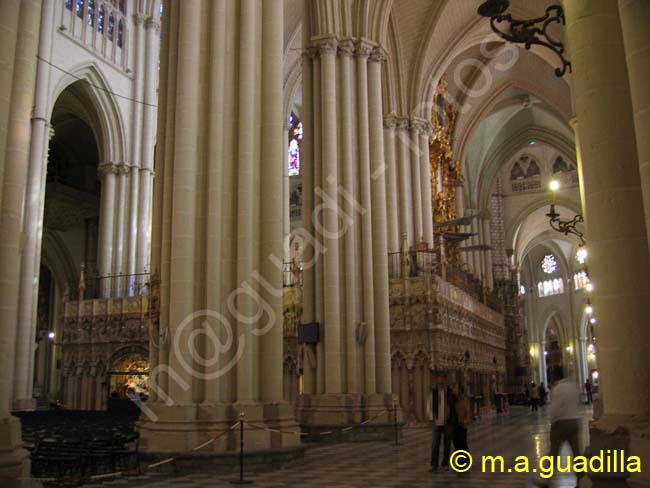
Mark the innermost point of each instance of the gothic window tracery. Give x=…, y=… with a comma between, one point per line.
x=111, y=26
x=120, y=33
x=91, y=13
x=80, y=8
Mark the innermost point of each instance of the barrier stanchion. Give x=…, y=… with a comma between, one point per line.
x=241, y=480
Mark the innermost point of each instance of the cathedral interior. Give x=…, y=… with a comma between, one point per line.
x=277, y=223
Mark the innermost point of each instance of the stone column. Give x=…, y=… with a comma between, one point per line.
x=19, y=31
x=136, y=133
x=332, y=324
x=108, y=173
x=217, y=248
x=120, y=227
x=146, y=177
x=416, y=185
x=425, y=180
x=613, y=202
x=404, y=165
x=615, y=220
x=350, y=240
x=460, y=212
x=364, y=49
x=379, y=223
x=32, y=226
x=635, y=19
x=392, y=187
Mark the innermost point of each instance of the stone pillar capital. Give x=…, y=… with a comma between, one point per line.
x=403, y=123
x=378, y=55
x=153, y=22
x=123, y=168
x=325, y=45
x=364, y=48
x=346, y=47
x=139, y=18
x=108, y=168
x=390, y=121
x=420, y=125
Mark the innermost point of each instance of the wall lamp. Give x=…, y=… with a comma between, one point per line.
x=566, y=227
x=527, y=31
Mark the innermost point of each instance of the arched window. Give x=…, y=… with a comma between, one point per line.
x=120, y=33
x=560, y=166
x=111, y=26
x=295, y=143
x=68, y=4
x=123, y=6
x=80, y=8
x=517, y=173
x=100, y=19
x=533, y=169
x=91, y=12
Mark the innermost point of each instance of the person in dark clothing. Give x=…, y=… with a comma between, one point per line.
x=442, y=411
x=542, y=394
x=462, y=418
x=590, y=397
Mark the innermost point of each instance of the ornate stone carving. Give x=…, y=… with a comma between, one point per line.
x=346, y=47
x=378, y=55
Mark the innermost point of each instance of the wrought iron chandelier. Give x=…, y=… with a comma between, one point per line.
x=527, y=31
x=566, y=227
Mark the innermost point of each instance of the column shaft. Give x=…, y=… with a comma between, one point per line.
x=352, y=279
x=635, y=19
x=379, y=225
x=363, y=51
x=108, y=172
x=416, y=185
x=406, y=222
x=273, y=173
x=425, y=170
x=392, y=187
x=136, y=131
x=329, y=230
x=619, y=262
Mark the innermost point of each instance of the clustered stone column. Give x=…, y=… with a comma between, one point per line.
x=217, y=230
x=19, y=32
x=345, y=175
x=608, y=160
x=34, y=206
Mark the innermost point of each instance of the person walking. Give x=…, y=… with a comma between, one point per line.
x=463, y=418
x=588, y=392
x=440, y=407
x=534, y=396
x=566, y=414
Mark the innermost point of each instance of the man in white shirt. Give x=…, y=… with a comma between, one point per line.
x=565, y=414
x=441, y=408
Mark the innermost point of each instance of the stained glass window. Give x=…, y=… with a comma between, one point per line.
x=91, y=12
x=111, y=26
x=120, y=34
x=80, y=8
x=549, y=264
x=68, y=4
x=100, y=19
x=123, y=6
x=295, y=142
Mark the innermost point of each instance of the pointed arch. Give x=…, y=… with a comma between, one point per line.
x=89, y=84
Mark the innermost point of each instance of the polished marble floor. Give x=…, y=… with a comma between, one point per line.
x=382, y=464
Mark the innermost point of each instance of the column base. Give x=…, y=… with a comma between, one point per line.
x=324, y=417
x=180, y=428
x=615, y=438
x=24, y=404
x=14, y=460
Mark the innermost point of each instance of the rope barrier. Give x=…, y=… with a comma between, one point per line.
x=197, y=448
x=138, y=470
